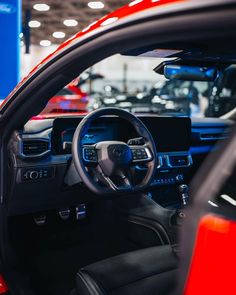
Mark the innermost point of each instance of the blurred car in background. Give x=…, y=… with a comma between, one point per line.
x=173, y=97
x=71, y=99
x=68, y=100
x=170, y=97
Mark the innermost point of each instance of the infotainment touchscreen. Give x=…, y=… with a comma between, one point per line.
x=169, y=133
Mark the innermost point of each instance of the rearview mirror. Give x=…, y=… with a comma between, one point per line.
x=190, y=73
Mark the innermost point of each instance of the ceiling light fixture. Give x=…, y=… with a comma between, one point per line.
x=70, y=22
x=45, y=43
x=34, y=24
x=96, y=5
x=41, y=7
x=59, y=35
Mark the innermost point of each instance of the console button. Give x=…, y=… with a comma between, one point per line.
x=136, y=141
x=34, y=174
x=179, y=177
x=139, y=154
x=168, y=179
x=89, y=154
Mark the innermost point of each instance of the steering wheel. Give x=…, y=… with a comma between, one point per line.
x=105, y=167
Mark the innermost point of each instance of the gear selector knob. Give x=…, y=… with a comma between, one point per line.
x=184, y=193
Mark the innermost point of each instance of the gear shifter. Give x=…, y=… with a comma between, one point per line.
x=179, y=215
x=184, y=194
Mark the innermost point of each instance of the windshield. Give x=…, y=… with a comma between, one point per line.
x=131, y=84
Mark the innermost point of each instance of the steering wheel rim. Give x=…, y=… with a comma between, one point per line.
x=82, y=169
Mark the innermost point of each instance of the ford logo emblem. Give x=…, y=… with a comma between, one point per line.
x=118, y=152
x=6, y=8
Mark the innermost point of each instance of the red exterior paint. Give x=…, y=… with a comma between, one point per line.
x=3, y=286
x=57, y=115
x=121, y=13
x=214, y=258
x=64, y=104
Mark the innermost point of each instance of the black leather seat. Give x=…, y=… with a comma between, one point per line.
x=150, y=271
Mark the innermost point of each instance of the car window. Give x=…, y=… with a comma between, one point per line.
x=131, y=83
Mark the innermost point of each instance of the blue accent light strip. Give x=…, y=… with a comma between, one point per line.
x=10, y=27
x=195, y=150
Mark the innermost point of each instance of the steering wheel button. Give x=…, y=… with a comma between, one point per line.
x=89, y=154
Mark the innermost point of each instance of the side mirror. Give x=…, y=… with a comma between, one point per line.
x=190, y=73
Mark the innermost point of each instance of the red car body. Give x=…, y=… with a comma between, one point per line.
x=70, y=99
x=211, y=231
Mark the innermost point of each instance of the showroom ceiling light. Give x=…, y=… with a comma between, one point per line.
x=45, y=43
x=96, y=5
x=70, y=22
x=41, y=7
x=59, y=35
x=34, y=24
x=21, y=35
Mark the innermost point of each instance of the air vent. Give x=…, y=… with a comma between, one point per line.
x=176, y=161
x=35, y=147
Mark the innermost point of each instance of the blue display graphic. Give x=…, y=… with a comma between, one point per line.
x=10, y=27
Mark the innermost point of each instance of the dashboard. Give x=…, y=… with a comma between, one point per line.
x=169, y=133
x=40, y=158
